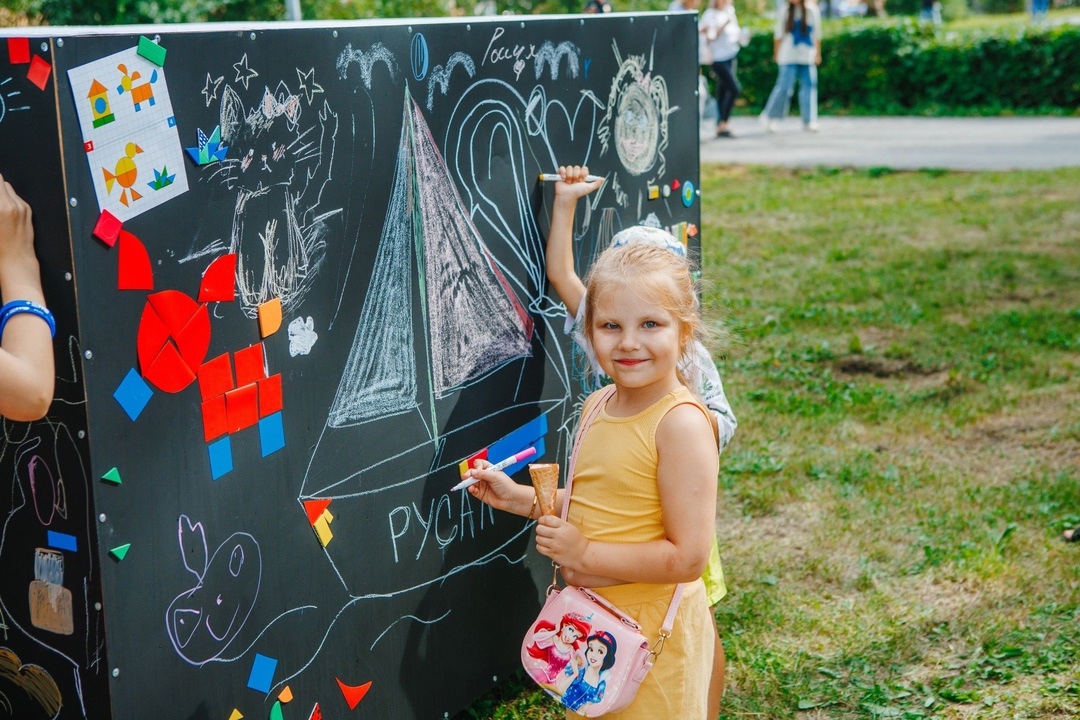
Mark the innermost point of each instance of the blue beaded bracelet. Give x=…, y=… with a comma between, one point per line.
x=25, y=306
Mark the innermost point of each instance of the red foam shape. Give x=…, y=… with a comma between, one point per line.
x=215, y=420
x=675, y=184
x=194, y=340
x=316, y=713
x=168, y=371
x=174, y=308
x=151, y=337
x=18, y=50
x=269, y=395
x=482, y=455
x=39, y=72
x=107, y=228
x=219, y=280
x=135, y=273
x=215, y=377
x=242, y=406
x=249, y=364
x=353, y=695
x=314, y=508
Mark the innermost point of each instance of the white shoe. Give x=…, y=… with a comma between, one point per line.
x=811, y=127
x=768, y=123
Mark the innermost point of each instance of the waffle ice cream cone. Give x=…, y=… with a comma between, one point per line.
x=545, y=480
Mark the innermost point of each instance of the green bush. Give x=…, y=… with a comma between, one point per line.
x=904, y=67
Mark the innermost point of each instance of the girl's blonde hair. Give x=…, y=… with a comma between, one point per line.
x=657, y=275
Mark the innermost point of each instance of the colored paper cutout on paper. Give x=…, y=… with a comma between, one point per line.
x=215, y=418
x=250, y=365
x=286, y=695
x=124, y=174
x=133, y=394
x=242, y=407
x=235, y=715
x=39, y=72
x=215, y=377
x=120, y=552
x=140, y=93
x=269, y=317
x=353, y=695
x=112, y=476
x=314, y=509
x=107, y=228
x=271, y=434
x=220, y=457
x=100, y=109
x=135, y=272
x=316, y=713
x=262, y=673
x=210, y=148
x=269, y=395
x=162, y=179
x=275, y=711
x=219, y=280
x=62, y=541
x=152, y=51
x=322, y=529
x=19, y=50
x=465, y=465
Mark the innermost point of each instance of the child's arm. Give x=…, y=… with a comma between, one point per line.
x=26, y=354
x=559, y=259
x=686, y=476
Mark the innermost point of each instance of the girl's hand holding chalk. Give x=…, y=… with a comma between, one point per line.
x=576, y=182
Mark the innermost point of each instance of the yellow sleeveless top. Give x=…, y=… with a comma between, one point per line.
x=615, y=498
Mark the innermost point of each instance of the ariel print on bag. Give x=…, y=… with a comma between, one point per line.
x=552, y=650
x=589, y=684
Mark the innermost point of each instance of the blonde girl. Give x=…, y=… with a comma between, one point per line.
x=644, y=499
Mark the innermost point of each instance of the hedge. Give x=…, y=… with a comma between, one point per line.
x=901, y=67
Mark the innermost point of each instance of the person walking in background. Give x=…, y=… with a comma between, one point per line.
x=27, y=374
x=1040, y=10
x=797, y=51
x=683, y=5
x=597, y=6
x=720, y=28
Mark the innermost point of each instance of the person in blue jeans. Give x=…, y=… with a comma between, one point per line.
x=797, y=50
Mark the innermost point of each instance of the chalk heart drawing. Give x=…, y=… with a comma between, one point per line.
x=204, y=620
x=280, y=156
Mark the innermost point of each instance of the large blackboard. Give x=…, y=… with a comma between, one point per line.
x=260, y=513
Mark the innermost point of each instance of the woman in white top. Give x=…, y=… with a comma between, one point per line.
x=797, y=50
x=720, y=29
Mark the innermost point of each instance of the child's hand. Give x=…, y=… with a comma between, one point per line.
x=561, y=541
x=16, y=228
x=495, y=488
x=573, y=184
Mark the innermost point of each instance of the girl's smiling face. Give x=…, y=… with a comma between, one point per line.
x=569, y=634
x=595, y=654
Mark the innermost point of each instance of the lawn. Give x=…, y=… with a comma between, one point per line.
x=902, y=351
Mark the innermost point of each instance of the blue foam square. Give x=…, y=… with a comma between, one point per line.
x=133, y=394
x=62, y=541
x=271, y=434
x=220, y=457
x=262, y=673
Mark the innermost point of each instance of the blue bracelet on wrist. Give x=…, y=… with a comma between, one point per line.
x=25, y=306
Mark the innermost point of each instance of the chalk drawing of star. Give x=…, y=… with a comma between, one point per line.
x=801, y=37
x=243, y=72
x=210, y=90
x=308, y=84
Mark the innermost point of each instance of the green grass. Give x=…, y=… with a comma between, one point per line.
x=902, y=353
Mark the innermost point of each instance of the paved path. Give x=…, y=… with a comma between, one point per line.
x=903, y=143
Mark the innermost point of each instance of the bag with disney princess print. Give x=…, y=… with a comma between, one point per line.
x=581, y=649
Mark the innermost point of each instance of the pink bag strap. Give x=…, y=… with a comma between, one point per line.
x=586, y=420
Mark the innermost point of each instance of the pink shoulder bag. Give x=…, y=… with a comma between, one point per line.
x=582, y=650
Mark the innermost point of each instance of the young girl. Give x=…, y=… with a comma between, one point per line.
x=697, y=365
x=797, y=50
x=644, y=498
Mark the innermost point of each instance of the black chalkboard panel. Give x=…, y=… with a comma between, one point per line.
x=328, y=292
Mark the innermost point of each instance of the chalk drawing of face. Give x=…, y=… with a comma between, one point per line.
x=204, y=620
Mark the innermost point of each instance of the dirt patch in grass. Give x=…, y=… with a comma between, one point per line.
x=881, y=367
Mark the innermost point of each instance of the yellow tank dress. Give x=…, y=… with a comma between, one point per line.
x=615, y=498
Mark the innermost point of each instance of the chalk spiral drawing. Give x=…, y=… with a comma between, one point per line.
x=636, y=122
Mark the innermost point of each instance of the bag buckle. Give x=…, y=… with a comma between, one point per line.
x=554, y=586
x=658, y=646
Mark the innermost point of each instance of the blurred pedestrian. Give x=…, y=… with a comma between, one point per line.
x=930, y=11
x=597, y=6
x=797, y=51
x=720, y=28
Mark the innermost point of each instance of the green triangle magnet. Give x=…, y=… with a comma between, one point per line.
x=118, y=553
x=112, y=476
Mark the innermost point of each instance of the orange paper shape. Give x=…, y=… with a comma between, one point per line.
x=214, y=418
x=314, y=509
x=135, y=271
x=18, y=50
x=286, y=695
x=249, y=364
x=39, y=72
x=168, y=372
x=107, y=228
x=219, y=280
x=353, y=695
x=242, y=407
x=269, y=317
x=215, y=377
x=269, y=395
